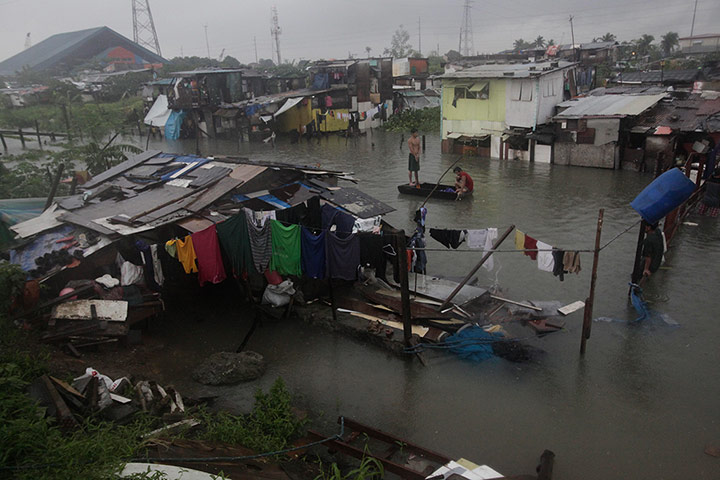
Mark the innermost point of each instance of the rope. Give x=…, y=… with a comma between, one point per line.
x=337, y=436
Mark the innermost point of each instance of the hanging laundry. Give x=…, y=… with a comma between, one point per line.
x=371, y=253
x=171, y=248
x=260, y=242
x=476, y=238
x=285, y=241
x=371, y=224
x=234, y=239
x=185, y=253
x=490, y=238
x=558, y=268
x=571, y=262
x=530, y=244
x=545, y=259
x=260, y=217
x=314, y=215
x=209, y=258
x=328, y=213
x=519, y=240
x=313, y=253
x=449, y=238
x=343, y=256
x=333, y=216
x=157, y=266
x=292, y=216
x=147, y=260
x=420, y=257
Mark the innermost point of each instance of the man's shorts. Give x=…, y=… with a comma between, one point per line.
x=413, y=164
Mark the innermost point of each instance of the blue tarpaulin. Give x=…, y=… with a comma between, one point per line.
x=44, y=243
x=174, y=121
x=473, y=343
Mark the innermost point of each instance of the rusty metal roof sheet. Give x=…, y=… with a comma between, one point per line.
x=509, y=70
x=616, y=106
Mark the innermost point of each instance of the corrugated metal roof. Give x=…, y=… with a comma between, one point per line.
x=82, y=44
x=509, y=70
x=657, y=76
x=608, y=106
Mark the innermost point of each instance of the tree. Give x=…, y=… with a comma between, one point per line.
x=539, y=42
x=520, y=44
x=668, y=42
x=608, y=37
x=230, y=62
x=400, y=44
x=368, y=50
x=550, y=42
x=642, y=44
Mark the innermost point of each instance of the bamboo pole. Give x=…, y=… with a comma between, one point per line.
x=587, y=314
x=37, y=132
x=479, y=264
x=401, y=250
x=440, y=180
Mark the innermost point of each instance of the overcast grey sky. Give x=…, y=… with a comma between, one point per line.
x=314, y=29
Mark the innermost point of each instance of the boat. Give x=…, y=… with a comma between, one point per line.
x=426, y=188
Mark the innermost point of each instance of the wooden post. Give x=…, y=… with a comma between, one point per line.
x=587, y=314
x=2, y=139
x=545, y=469
x=532, y=150
x=476, y=267
x=37, y=132
x=402, y=140
x=67, y=120
x=22, y=138
x=423, y=140
x=54, y=187
x=401, y=250
x=500, y=151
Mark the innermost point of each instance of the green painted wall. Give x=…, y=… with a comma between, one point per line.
x=491, y=110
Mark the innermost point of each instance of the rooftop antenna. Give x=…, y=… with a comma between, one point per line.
x=275, y=32
x=207, y=43
x=28, y=41
x=466, y=34
x=144, y=33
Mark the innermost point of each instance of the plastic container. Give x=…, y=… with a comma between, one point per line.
x=663, y=195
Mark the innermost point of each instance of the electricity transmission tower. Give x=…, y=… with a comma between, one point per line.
x=275, y=32
x=143, y=26
x=466, y=34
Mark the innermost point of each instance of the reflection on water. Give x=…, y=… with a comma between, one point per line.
x=641, y=404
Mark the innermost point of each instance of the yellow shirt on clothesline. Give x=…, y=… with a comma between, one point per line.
x=185, y=253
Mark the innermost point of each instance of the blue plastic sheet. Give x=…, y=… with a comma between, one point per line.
x=44, y=243
x=174, y=121
x=473, y=343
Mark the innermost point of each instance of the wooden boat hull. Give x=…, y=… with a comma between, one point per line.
x=426, y=188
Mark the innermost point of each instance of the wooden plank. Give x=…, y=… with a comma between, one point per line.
x=64, y=416
x=121, y=168
x=110, y=310
x=521, y=304
x=213, y=193
x=389, y=438
x=76, y=219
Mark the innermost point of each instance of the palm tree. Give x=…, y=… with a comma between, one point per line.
x=642, y=44
x=520, y=44
x=551, y=42
x=539, y=42
x=668, y=42
x=368, y=50
x=608, y=37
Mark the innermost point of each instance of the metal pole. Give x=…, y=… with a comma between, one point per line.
x=401, y=250
x=475, y=269
x=637, y=267
x=692, y=27
x=22, y=138
x=587, y=316
x=2, y=139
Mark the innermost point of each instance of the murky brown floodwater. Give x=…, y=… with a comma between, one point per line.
x=643, y=403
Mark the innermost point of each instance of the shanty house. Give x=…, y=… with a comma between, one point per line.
x=411, y=72
x=491, y=109
x=61, y=53
x=590, y=130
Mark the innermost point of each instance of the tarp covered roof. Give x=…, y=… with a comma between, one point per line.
x=608, y=106
x=72, y=48
x=657, y=76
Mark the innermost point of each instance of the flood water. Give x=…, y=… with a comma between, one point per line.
x=642, y=403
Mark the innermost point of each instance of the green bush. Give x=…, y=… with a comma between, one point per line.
x=425, y=120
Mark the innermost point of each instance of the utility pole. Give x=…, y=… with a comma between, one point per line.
x=207, y=43
x=692, y=27
x=275, y=33
x=466, y=34
x=572, y=35
x=144, y=32
x=255, y=43
x=419, y=38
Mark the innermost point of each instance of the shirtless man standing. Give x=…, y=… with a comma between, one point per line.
x=414, y=157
